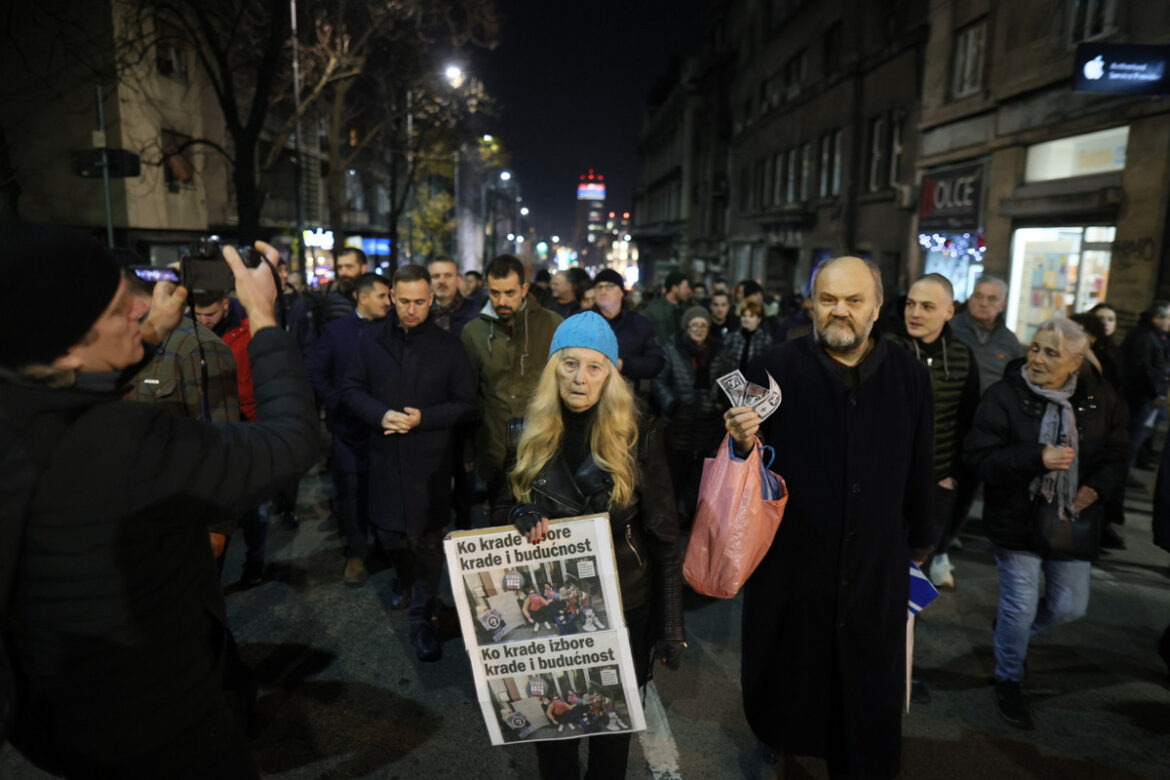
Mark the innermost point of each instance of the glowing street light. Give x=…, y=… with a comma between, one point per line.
x=511, y=236
x=455, y=76
x=556, y=239
x=519, y=239
x=524, y=211
x=488, y=138
x=505, y=175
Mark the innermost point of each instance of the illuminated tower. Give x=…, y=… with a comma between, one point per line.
x=590, y=222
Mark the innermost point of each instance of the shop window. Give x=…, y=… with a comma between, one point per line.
x=1078, y=155
x=1091, y=19
x=877, y=127
x=836, y=184
x=957, y=256
x=897, y=123
x=805, y=170
x=967, y=65
x=1059, y=270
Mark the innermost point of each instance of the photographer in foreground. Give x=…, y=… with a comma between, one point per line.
x=113, y=616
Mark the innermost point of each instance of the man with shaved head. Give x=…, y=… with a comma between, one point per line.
x=954, y=385
x=824, y=614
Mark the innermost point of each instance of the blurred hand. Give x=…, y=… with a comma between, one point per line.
x=166, y=310
x=743, y=424
x=401, y=422
x=1058, y=458
x=529, y=521
x=947, y=484
x=255, y=287
x=218, y=543
x=1085, y=497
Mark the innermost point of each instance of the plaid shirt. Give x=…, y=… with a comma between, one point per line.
x=173, y=378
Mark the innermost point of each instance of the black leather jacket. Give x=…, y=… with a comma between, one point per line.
x=645, y=532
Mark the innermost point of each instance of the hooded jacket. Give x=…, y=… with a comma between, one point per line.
x=507, y=357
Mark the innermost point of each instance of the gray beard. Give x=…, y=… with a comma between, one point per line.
x=840, y=341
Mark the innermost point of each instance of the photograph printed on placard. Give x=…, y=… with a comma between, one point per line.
x=562, y=705
x=527, y=601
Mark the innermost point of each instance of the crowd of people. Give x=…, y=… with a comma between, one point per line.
x=144, y=427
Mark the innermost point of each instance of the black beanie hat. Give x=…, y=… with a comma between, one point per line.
x=57, y=282
x=611, y=276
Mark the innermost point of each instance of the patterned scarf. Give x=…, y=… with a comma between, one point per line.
x=1058, y=427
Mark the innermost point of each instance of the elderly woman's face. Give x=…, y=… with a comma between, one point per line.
x=1049, y=361
x=698, y=329
x=581, y=376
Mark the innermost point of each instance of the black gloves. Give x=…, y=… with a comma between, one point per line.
x=525, y=517
x=669, y=652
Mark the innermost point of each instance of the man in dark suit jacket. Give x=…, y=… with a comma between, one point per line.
x=411, y=384
x=328, y=364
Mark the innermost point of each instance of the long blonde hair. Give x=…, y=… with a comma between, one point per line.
x=612, y=440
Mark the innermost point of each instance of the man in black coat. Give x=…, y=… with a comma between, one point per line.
x=328, y=364
x=411, y=383
x=824, y=615
x=116, y=626
x=641, y=356
x=1147, y=375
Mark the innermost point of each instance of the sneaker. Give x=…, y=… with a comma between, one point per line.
x=560, y=727
x=1011, y=704
x=355, y=572
x=940, y=572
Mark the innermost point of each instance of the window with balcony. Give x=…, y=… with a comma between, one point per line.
x=877, y=131
x=837, y=162
x=897, y=124
x=968, y=63
x=806, y=164
x=826, y=164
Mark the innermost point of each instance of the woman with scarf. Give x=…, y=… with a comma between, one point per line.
x=1051, y=435
x=686, y=394
x=585, y=449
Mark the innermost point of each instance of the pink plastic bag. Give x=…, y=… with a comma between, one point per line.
x=734, y=524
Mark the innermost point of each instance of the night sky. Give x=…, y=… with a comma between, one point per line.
x=572, y=77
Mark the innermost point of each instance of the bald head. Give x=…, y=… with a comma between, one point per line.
x=930, y=304
x=847, y=294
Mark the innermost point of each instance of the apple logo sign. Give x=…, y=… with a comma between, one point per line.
x=1095, y=68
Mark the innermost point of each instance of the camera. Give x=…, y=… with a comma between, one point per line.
x=203, y=268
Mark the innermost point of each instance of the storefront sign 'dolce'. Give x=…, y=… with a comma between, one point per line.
x=1119, y=67
x=951, y=199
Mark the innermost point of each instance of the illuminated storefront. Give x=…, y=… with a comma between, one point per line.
x=950, y=220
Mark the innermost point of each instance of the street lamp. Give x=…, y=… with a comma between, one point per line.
x=556, y=239
x=505, y=175
x=524, y=211
x=455, y=76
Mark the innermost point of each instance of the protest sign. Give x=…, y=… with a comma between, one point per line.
x=544, y=629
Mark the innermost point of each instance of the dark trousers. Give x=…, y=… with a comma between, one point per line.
x=419, y=561
x=608, y=755
x=254, y=526
x=1138, y=432
x=946, y=520
x=686, y=471
x=462, y=493
x=351, y=504
x=285, y=501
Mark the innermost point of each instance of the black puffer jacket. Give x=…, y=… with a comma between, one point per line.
x=645, y=532
x=1004, y=446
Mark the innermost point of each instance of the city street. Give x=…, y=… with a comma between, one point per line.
x=342, y=695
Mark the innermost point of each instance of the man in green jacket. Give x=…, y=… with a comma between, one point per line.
x=508, y=345
x=666, y=310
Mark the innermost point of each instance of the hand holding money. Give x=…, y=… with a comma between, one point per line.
x=742, y=422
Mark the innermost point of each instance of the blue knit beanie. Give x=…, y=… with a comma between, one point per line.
x=587, y=329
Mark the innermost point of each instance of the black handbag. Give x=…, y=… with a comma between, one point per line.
x=1076, y=536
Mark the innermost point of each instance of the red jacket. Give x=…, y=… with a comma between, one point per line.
x=237, y=340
